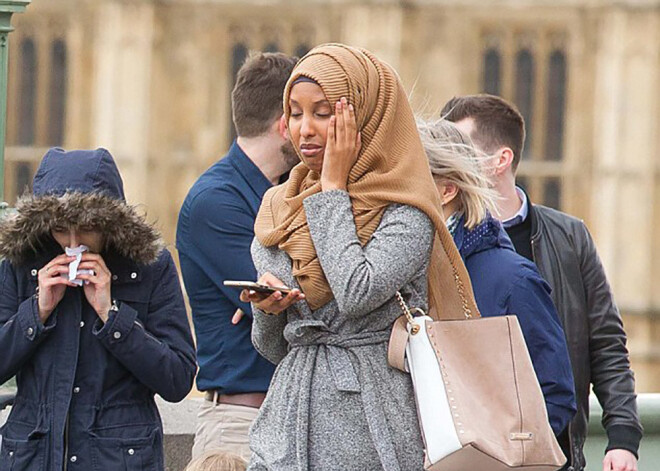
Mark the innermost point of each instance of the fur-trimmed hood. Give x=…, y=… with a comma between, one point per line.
x=78, y=189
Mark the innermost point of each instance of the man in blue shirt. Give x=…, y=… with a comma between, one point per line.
x=214, y=233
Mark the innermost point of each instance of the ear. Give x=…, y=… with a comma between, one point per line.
x=282, y=128
x=504, y=160
x=448, y=192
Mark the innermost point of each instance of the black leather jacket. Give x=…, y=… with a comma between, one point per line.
x=567, y=258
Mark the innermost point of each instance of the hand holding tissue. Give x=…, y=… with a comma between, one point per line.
x=73, y=266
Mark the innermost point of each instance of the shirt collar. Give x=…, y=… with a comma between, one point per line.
x=248, y=169
x=522, y=213
x=453, y=222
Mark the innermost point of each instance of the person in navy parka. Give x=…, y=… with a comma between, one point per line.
x=87, y=359
x=504, y=282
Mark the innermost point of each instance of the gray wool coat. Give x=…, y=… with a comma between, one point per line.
x=334, y=403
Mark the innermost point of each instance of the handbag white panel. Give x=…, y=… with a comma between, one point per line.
x=435, y=417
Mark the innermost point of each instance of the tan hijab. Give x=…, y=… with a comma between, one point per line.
x=391, y=168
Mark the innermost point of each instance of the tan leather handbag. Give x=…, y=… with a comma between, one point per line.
x=479, y=402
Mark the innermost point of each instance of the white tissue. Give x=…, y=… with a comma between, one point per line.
x=73, y=266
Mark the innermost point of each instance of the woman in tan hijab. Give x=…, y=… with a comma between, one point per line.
x=354, y=224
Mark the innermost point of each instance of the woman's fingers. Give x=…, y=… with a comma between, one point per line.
x=346, y=135
x=238, y=315
x=57, y=280
x=60, y=265
x=293, y=296
x=98, y=275
x=56, y=271
x=349, y=124
x=342, y=118
x=96, y=279
x=332, y=127
x=340, y=130
x=273, y=303
x=284, y=303
x=100, y=271
x=277, y=302
x=269, y=279
x=249, y=296
x=94, y=258
x=267, y=303
x=97, y=268
x=61, y=261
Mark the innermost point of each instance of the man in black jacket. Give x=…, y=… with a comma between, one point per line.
x=566, y=256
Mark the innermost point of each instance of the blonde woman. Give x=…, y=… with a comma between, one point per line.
x=504, y=282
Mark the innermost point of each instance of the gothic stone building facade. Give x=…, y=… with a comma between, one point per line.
x=151, y=80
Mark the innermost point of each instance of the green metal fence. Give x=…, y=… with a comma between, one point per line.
x=649, y=409
x=7, y=9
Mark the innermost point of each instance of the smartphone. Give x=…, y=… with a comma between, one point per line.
x=258, y=287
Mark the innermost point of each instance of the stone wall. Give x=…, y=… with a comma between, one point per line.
x=179, y=427
x=151, y=81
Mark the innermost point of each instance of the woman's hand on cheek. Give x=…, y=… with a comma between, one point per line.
x=97, y=285
x=342, y=147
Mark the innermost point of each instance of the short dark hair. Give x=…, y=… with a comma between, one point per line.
x=497, y=122
x=256, y=99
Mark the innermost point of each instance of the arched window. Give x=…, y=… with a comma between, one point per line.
x=552, y=192
x=522, y=182
x=27, y=103
x=57, y=94
x=271, y=47
x=239, y=54
x=554, y=143
x=302, y=49
x=491, y=76
x=23, y=177
x=524, y=95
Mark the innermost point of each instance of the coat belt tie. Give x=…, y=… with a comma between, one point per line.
x=348, y=377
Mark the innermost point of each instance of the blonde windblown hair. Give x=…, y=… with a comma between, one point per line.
x=216, y=460
x=453, y=158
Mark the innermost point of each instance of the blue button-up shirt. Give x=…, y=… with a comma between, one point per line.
x=522, y=213
x=214, y=234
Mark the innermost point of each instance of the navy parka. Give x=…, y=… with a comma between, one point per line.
x=506, y=283
x=86, y=390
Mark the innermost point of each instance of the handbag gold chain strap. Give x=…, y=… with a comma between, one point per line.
x=461, y=292
x=414, y=328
